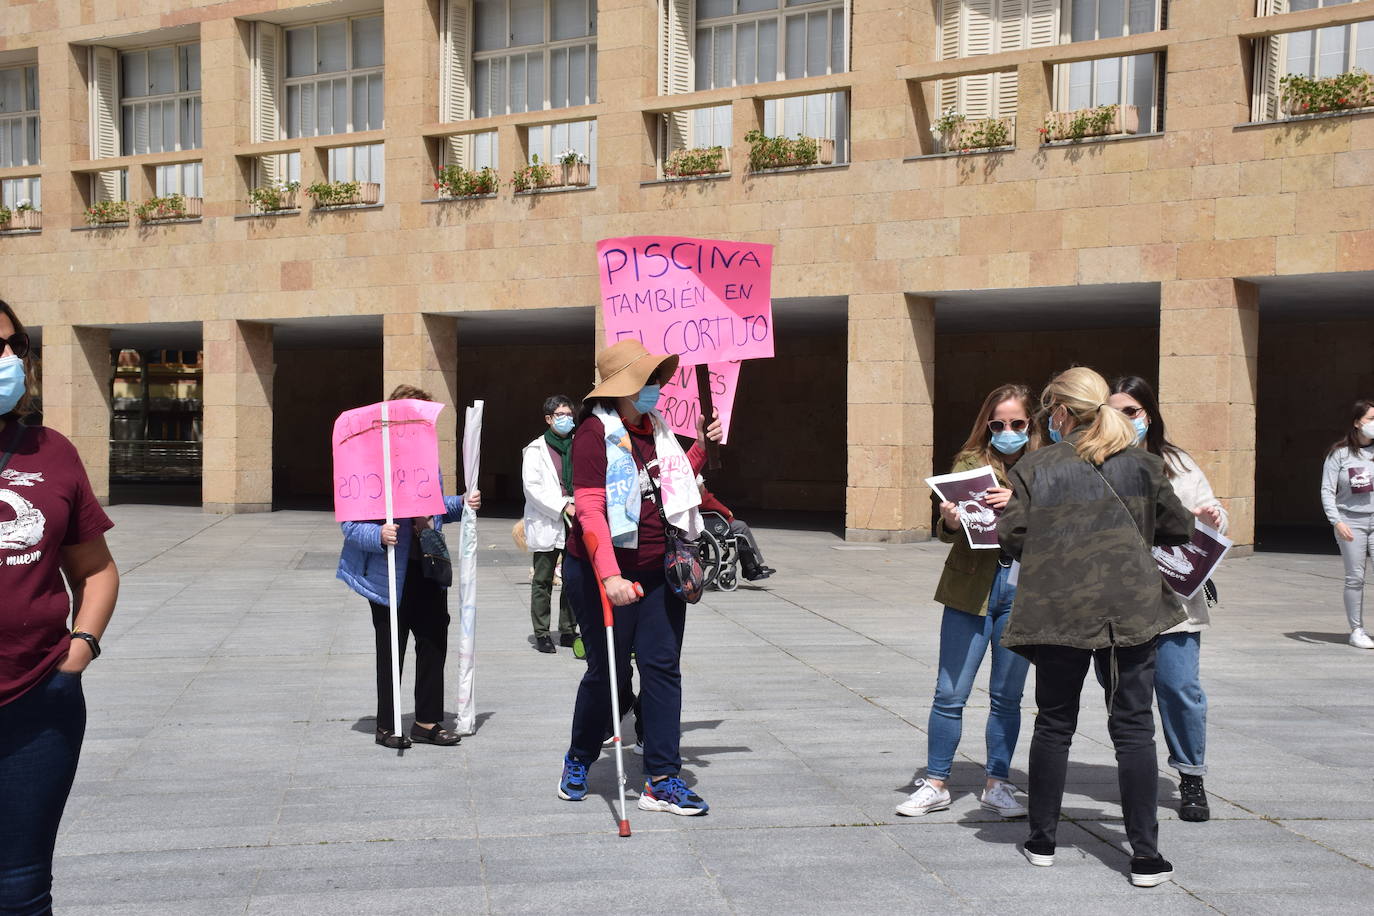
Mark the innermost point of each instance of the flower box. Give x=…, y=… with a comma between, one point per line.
x=329, y=194
x=985, y=133
x=767, y=153
x=690, y=163
x=369, y=192
x=107, y=213
x=23, y=219
x=1102, y=121
x=457, y=183
x=285, y=200
x=1305, y=95
x=170, y=208
x=825, y=150
x=576, y=175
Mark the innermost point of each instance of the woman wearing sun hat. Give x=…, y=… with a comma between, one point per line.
x=623, y=455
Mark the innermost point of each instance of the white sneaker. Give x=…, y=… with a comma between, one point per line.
x=925, y=799
x=1360, y=639
x=1000, y=798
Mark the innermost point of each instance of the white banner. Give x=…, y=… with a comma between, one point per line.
x=467, y=576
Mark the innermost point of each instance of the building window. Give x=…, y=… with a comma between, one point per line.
x=334, y=77
x=13, y=190
x=531, y=55
x=19, y=130
x=1112, y=80
x=741, y=42
x=549, y=141
x=159, y=99
x=184, y=178
x=356, y=163
x=969, y=28
x=485, y=152
x=822, y=114
x=1330, y=51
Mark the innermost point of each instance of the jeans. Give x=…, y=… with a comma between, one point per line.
x=964, y=640
x=422, y=610
x=1059, y=674
x=1356, y=554
x=1182, y=704
x=40, y=744
x=652, y=627
x=541, y=596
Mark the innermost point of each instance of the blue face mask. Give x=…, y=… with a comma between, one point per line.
x=1007, y=442
x=647, y=399
x=1140, y=427
x=11, y=383
x=563, y=424
x=1054, y=430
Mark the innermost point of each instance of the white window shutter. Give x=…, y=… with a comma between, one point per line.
x=676, y=72
x=979, y=34
x=104, y=118
x=265, y=124
x=950, y=43
x=1012, y=35
x=1042, y=23
x=1269, y=55
x=455, y=53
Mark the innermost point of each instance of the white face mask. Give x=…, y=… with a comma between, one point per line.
x=1368, y=430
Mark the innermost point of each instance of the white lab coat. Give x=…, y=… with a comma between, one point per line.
x=544, y=499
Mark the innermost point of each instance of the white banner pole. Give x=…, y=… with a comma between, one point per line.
x=466, y=714
x=391, y=580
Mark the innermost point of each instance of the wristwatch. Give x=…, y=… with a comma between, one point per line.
x=90, y=640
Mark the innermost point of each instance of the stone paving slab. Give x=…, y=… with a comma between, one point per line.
x=229, y=766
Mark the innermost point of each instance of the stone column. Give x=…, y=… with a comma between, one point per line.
x=422, y=350
x=1208, y=354
x=891, y=416
x=239, y=363
x=225, y=113
x=76, y=395
x=412, y=93
x=64, y=130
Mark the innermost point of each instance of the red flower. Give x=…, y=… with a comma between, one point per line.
x=436, y=185
x=1340, y=101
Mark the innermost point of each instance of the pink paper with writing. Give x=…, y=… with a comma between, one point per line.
x=358, y=474
x=680, y=405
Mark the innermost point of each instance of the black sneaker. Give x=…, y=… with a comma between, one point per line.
x=1038, y=852
x=1149, y=872
x=544, y=644
x=566, y=640
x=1192, y=799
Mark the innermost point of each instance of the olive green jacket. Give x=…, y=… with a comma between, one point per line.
x=967, y=580
x=1087, y=578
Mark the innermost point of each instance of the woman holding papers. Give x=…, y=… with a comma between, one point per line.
x=1178, y=685
x=1348, y=501
x=977, y=595
x=1083, y=516
x=630, y=481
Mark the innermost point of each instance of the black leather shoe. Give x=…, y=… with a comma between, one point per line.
x=566, y=640
x=544, y=644
x=1192, y=799
x=434, y=735
x=392, y=740
x=761, y=572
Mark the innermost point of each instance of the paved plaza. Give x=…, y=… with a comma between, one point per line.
x=229, y=765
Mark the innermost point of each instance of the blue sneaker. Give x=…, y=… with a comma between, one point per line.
x=671, y=794
x=573, y=786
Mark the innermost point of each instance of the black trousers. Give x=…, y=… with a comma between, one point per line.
x=1059, y=676
x=422, y=610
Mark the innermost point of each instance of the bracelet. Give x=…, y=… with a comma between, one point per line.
x=90, y=640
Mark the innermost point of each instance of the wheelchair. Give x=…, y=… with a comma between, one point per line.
x=719, y=552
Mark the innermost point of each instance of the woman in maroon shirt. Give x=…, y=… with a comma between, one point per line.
x=50, y=525
x=624, y=448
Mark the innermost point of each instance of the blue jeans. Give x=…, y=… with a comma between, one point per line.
x=652, y=627
x=40, y=743
x=1182, y=704
x=964, y=641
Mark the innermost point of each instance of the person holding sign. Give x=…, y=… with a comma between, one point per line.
x=1083, y=516
x=1348, y=501
x=422, y=609
x=546, y=476
x=630, y=480
x=1178, y=684
x=977, y=593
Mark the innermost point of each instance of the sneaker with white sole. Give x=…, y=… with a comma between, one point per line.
x=1039, y=853
x=1150, y=872
x=573, y=785
x=671, y=794
x=1002, y=800
x=925, y=799
x=1360, y=639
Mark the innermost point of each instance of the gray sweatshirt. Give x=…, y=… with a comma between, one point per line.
x=1348, y=483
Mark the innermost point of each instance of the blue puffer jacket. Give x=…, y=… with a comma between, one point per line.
x=362, y=565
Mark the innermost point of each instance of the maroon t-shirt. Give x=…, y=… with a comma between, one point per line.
x=46, y=503
x=589, y=471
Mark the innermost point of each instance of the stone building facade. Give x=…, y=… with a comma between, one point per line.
x=1224, y=249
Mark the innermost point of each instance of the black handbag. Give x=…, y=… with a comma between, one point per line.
x=435, y=563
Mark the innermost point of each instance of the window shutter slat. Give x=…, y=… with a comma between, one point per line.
x=1011, y=36
x=979, y=29
x=1042, y=25
x=949, y=49
x=455, y=100
x=266, y=97
x=104, y=94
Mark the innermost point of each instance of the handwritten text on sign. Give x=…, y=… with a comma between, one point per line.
x=707, y=301
x=359, y=492
x=680, y=405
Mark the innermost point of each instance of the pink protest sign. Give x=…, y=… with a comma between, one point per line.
x=680, y=405
x=359, y=493
x=707, y=301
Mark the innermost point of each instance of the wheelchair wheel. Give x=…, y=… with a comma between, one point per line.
x=710, y=559
x=727, y=580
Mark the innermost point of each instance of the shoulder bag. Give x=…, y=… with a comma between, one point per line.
x=435, y=563
x=681, y=556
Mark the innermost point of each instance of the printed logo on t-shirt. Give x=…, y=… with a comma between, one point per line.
x=1360, y=481
x=25, y=529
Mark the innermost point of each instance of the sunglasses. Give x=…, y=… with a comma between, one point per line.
x=1016, y=426
x=1133, y=412
x=18, y=345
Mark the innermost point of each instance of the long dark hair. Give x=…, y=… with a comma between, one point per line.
x=1156, y=440
x=591, y=404
x=25, y=405
x=1351, y=438
x=979, y=442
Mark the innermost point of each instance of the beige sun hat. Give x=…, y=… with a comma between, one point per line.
x=626, y=367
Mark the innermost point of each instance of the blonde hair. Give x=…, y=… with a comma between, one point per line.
x=1083, y=393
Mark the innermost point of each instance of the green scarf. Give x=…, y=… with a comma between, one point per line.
x=563, y=446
